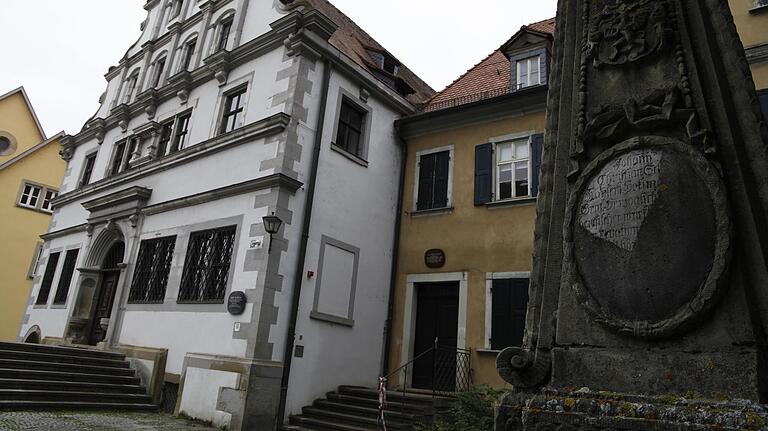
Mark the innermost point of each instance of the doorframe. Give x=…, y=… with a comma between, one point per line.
x=409, y=313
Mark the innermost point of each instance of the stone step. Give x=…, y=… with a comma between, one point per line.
x=72, y=405
x=408, y=397
x=70, y=396
x=319, y=424
x=59, y=350
x=58, y=357
x=368, y=412
x=350, y=418
x=57, y=385
x=46, y=375
x=57, y=366
x=422, y=409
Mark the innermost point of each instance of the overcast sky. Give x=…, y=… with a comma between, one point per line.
x=59, y=50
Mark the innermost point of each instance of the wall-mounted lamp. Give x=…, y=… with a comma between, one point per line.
x=272, y=225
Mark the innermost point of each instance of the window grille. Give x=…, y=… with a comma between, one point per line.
x=50, y=271
x=153, y=264
x=350, y=128
x=70, y=260
x=206, y=268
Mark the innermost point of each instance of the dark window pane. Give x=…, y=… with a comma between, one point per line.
x=90, y=161
x=233, y=109
x=206, y=268
x=117, y=161
x=350, y=130
x=188, y=55
x=226, y=26
x=433, y=181
x=509, y=304
x=182, y=128
x=764, y=103
x=66, y=277
x=50, y=271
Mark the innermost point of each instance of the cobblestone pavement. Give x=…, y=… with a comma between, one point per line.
x=95, y=421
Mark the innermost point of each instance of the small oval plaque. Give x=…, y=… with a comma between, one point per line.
x=434, y=258
x=236, y=303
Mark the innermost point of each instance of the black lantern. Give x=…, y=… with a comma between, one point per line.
x=272, y=225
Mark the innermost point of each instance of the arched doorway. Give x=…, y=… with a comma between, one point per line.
x=105, y=293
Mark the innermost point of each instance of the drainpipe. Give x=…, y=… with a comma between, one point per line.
x=299, y=273
x=395, y=254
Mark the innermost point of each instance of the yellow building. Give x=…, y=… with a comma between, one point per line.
x=751, y=17
x=31, y=171
x=469, y=204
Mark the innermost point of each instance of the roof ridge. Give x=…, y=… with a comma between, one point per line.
x=23, y=92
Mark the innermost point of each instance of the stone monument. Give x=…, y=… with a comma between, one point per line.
x=649, y=290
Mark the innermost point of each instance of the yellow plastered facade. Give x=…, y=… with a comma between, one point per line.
x=752, y=24
x=477, y=240
x=21, y=228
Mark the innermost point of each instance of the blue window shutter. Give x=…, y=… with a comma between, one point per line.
x=537, y=150
x=483, y=174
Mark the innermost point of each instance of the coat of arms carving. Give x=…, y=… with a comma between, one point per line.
x=628, y=31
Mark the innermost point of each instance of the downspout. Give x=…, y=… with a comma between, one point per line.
x=299, y=273
x=395, y=254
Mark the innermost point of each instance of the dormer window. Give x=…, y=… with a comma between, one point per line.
x=384, y=61
x=528, y=72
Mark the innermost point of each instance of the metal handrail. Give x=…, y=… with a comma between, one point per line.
x=421, y=355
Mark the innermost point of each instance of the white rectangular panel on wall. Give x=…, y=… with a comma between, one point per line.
x=336, y=282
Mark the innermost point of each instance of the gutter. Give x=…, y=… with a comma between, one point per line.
x=290, y=337
x=395, y=256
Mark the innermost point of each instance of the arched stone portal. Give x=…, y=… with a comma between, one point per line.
x=98, y=282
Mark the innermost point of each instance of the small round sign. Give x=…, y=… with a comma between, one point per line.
x=236, y=303
x=434, y=258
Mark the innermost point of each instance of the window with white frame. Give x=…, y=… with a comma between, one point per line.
x=513, y=169
x=30, y=195
x=528, y=72
x=49, y=196
x=37, y=197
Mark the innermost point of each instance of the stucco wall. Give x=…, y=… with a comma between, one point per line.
x=476, y=240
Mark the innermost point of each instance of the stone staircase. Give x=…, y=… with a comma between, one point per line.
x=352, y=408
x=35, y=376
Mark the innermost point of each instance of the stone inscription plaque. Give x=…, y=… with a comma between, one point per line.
x=644, y=233
x=616, y=202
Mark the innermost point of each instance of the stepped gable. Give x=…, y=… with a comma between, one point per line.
x=489, y=76
x=353, y=41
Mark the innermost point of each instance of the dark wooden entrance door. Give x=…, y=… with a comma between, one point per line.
x=437, y=318
x=105, y=296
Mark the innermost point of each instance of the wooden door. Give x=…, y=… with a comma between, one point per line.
x=437, y=318
x=105, y=296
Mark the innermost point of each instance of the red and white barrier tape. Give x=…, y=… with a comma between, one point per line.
x=382, y=424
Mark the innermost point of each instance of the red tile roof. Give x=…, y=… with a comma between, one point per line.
x=487, y=79
x=352, y=40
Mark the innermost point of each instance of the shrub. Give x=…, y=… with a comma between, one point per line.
x=472, y=411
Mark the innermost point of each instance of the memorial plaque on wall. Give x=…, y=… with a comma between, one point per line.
x=647, y=235
x=434, y=258
x=236, y=303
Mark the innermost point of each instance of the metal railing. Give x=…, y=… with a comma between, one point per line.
x=449, y=370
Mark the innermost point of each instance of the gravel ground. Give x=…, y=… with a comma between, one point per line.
x=95, y=421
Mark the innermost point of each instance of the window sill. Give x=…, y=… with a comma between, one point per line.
x=331, y=319
x=349, y=155
x=158, y=302
x=511, y=202
x=58, y=306
x=759, y=9
x=432, y=212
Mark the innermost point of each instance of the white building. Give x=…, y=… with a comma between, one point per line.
x=225, y=111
